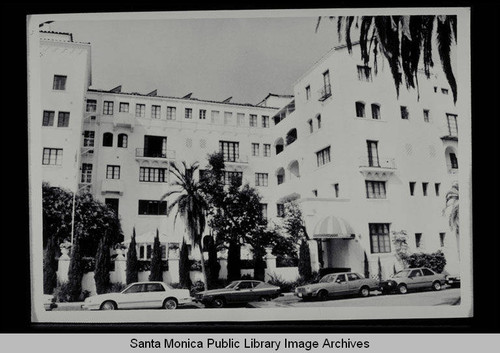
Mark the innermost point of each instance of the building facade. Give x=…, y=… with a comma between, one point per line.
x=362, y=161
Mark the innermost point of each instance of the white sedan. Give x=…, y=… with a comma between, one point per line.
x=140, y=295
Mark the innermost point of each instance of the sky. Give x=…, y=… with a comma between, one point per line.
x=214, y=58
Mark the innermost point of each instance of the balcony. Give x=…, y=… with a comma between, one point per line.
x=114, y=186
x=380, y=168
x=155, y=154
x=325, y=93
x=240, y=159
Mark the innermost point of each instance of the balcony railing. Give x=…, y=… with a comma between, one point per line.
x=380, y=163
x=148, y=153
x=325, y=92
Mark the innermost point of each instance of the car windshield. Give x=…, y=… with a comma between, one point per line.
x=327, y=278
x=400, y=274
x=232, y=284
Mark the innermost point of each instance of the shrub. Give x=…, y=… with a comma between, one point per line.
x=75, y=273
x=435, y=261
x=286, y=261
x=196, y=287
x=65, y=293
x=305, y=269
x=116, y=287
x=50, y=266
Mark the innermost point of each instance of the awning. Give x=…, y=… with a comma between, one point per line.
x=333, y=227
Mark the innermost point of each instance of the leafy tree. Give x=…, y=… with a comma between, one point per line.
x=75, y=272
x=213, y=267
x=132, y=261
x=102, y=268
x=191, y=206
x=184, y=267
x=452, y=202
x=405, y=41
x=156, y=261
x=400, y=240
x=295, y=226
x=50, y=266
x=435, y=261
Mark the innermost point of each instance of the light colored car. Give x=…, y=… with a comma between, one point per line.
x=140, y=295
x=343, y=283
x=413, y=278
x=49, y=302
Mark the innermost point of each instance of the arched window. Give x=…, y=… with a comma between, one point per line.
x=279, y=145
x=122, y=140
x=291, y=136
x=294, y=169
x=280, y=176
x=375, y=111
x=451, y=159
x=360, y=109
x=107, y=139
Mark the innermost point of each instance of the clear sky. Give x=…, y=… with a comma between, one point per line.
x=214, y=58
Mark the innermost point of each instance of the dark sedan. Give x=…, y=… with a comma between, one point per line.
x=243, y=291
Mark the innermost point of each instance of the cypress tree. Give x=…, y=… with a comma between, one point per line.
x=75, y=272
x=184, y=267
x=233, y=261
x=156, y=262
x=50, y=266
x=132, y=262
x=305, y=269
x=102, y=267
x=367, y=267
x=379, y=269
x=213, y=263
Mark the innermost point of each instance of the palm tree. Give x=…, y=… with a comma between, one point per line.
x=452, y=207
x=404, y=41
x=190, y=204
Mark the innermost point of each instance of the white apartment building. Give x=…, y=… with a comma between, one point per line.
x=361, y=161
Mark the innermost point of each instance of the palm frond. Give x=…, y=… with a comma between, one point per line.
x=444, y=38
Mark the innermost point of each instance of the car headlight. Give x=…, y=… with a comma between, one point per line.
x=308, y=288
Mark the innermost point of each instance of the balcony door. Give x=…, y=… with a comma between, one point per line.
x=155, y=146
x=373, y=160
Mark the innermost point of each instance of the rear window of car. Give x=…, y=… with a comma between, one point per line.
x=353, y=276
x=427, y=272
x=154, y=287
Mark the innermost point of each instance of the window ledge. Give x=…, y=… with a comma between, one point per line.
x=369, y=119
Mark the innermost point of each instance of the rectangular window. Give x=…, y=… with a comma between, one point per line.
x=263, y=207
x=112, y=203
x=261, y=179
x=364, y=73
x=426, y=115
x=140, y=110
x=418, y=240
x=155, y=112
x=412, y=188
x=265, y=121
x=323, y=156
x=91, y=105
x=315, y=193
x=453, y=161
x=379, y=238
x=404, y=113
x=375, y=111
x=360, y=109
x=214, y=116
x=203, y=114
x=442, y=239
x=253, y=120
x=171, y=111
x=280, y=178
x=437, y=186
x=311, y=126
x=188, y=113
x=230, y=150
x=372, y=147
x=153, y=175
x=255, y=149
x=424, y=188
x=267, y=150
x=59, y=83
x=308, y=92
x=280, y=210
x=63, y=119
x=318, y=119
x=375, y=189
x=228, y=117
x=240, y=119
x=452, y=125
x=327, y=89
x=112, y=172
x=231, y=177
x=48, y=118
x=88, y=138
x=86, y=176
x=123, y=108
x=336, y=189
x=52, y=156
x=155, y=146
x=152, y=207
x=107, y=108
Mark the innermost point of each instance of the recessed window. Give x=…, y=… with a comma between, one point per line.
x=379, y=238
x=240, y=119
x=48, y=118
x=88, y=138
x=63, y=119
x=453, y=161
x=171, y=113
x=405, y=115
x=323, y=156
x=140, y=110
x=231, y=177
x=318, y=120
x=152, y=207
x=360, y=109
x=188, y=113
x=418, y=240
x=437, y=186
x=261, y=179
x=373, y=159
x=112, y=172
x=214, y=118
x=265, y=121
x=364, y=73
x=155, y=112
x=375, y=189
x=311, y=126
x=59, y=83
x=107, y=108
x=86, y=176
x=255, y=149
x=412, y=188
x=52, y=156
x=308, y=92
x=375, y=111
x=91, y=106
x=228, y=117
x=315, y=193
x=112, y=203
x=253, y=120
x=424, y=188
x=452, y=124
x=263, y=207
x=336, y=190
x=426, y=115
x=280, y=210
x=327, y=89
x=152, y=175
x=267, y=150
x=203, y=114
x=230, y=150
x=123, y=107
x=442, y=237
x=107, y=139
x=122, y=140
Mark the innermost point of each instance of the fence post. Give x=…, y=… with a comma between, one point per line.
x=63, y=266
x=270, y=264
x=223, y=264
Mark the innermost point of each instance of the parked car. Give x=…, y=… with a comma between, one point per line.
x=453, y=281
x=49, y=302
x=140, y=295
x=413, y=278
x=242, y=291
x=343, y=283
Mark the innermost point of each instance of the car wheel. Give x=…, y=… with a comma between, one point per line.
x=322, y=295
x=170, y=304
x=402, y=289
x=219, y=302
x=436, y=286
x=364, y=292
x=108, y=305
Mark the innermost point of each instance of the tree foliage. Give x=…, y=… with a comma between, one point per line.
x=102, y=267
x=75, y=273
x=305, y=269
x=213, y=267
x=452, y=203
x=132, y=274
x=184, y=267
x=405, y=42
x=156, y=260
x=50, y=266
